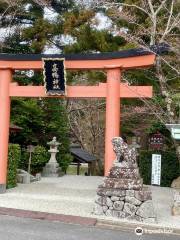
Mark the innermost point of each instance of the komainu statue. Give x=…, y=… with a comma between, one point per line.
x=121, y=194
x=124, y=154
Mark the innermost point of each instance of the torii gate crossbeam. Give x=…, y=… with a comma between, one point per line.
x=113, y=90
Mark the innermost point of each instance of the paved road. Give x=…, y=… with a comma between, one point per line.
x=12, y=228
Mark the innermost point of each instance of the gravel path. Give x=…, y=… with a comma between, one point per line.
x=74, y=195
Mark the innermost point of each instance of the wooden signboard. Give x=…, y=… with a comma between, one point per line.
x=54, y=76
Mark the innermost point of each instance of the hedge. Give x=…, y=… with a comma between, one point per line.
x=14, y=155
x=170, y=168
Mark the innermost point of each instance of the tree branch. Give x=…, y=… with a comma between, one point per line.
x=159, y=8
x=168, y=22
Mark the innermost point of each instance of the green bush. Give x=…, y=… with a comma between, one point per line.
x=14, y=155
x=170, y=168
x=64, y=160
x=40, y=157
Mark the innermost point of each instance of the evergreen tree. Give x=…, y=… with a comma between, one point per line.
x=41, y=119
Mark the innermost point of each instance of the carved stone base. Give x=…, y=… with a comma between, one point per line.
x=130, y=204
x=118, y=172
x=123, y=184
x=122, y=195
x=52, y=170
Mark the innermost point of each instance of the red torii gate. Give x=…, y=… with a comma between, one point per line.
x=112, y=90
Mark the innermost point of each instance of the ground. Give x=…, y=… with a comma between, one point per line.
x=12, y=228
x=75, y=195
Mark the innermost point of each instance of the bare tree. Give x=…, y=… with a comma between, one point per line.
x=162, y=24
x=86, y=119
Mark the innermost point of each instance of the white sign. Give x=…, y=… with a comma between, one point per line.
x=156, y=169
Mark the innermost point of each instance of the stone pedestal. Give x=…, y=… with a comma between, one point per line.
x=52, y=170
x=122, y=194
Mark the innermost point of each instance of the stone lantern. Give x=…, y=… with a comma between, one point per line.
x=175, y=132
x=52, y=168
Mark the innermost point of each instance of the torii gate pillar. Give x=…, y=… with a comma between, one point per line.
x=112, y=114
x=5, y=79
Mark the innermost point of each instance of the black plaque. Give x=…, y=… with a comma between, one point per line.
x=156, y=140
x=54, y=76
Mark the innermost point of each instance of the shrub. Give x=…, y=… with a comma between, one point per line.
x=170, y=168
x=40, y=157
x=64, y=160
x=14, y=155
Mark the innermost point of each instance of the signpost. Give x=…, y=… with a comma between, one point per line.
x=175, y=133
x=156, y=169
x=30, y=150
